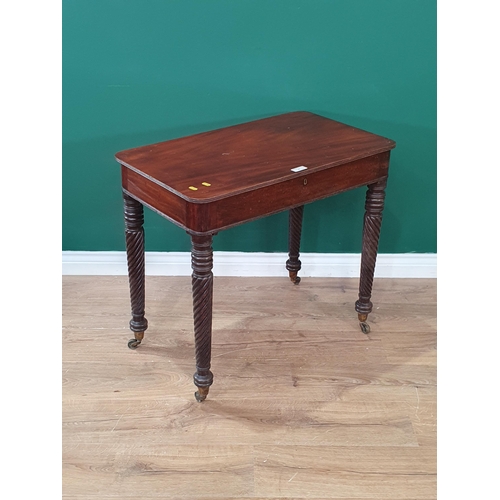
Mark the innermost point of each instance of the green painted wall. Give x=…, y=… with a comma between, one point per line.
x=143, y=71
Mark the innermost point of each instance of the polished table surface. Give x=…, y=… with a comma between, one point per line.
x=217, y=179
x=214, y=180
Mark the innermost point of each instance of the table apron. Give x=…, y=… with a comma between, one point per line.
x=211, y=217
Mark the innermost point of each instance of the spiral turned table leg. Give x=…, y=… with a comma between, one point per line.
x=134, y=237
x=371, y=231
x=293, y=263
x=202, y=282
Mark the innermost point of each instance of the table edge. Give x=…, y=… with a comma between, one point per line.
x=262, y=184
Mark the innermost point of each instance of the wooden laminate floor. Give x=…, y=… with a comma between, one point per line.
x=303, y=404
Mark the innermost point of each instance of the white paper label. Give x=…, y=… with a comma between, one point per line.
x=298, y=169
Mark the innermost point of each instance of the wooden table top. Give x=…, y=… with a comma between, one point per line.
x=222, y=163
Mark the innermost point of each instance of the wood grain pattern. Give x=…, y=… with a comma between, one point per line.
x=251, y=155
x=300, y=190
x=319, y=411
x=222, y=178
x=385, y=472
x=215, y=215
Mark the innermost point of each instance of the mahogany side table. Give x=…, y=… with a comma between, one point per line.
x=215, y=180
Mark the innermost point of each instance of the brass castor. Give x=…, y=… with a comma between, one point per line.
x=294, y=278
x=133, y=343
x=365, y=327
x=201, y=394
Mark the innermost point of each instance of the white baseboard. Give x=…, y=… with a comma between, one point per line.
x=399, y=265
